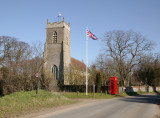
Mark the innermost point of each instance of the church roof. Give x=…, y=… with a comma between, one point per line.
x=78, y=63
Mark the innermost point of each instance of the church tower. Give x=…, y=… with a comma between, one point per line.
x=57, y=49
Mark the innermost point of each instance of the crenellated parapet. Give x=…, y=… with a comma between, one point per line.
x=60, y=24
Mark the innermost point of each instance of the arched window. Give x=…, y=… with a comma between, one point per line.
x=55, y=72
x=54, y=37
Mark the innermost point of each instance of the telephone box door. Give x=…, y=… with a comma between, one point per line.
x=113, y=85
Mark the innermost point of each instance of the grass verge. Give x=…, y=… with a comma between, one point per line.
x=89, y=96
x=75, y=95
x=20, y=103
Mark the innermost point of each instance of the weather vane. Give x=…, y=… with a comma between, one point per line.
x=59, y=15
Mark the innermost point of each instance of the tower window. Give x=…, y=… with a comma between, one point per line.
x=54, y=37
x=55, y=72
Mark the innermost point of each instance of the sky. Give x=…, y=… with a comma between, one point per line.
x=26, y=20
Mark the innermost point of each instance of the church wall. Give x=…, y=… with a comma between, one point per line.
x=66, y=54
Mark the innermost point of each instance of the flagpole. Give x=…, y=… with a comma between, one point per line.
x=86, y=63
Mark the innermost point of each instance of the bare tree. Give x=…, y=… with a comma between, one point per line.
x=92, y=75
x=148, y=71
x=13, y=54
x=76, y=75
x=19, y=62
x=107, y=68
x=125, y=48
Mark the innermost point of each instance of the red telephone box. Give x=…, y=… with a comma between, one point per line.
x=113, y=85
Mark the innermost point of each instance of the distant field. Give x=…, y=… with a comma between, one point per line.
x=19, y=103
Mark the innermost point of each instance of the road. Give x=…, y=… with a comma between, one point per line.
x=142, y=106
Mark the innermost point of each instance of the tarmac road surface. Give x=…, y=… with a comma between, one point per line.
x=142, y=106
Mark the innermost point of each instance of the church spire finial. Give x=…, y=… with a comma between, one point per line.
x=59, y=15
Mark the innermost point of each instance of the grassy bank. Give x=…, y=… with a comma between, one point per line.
x=19, y=103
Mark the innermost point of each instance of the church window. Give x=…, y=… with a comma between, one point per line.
x=55, y=72
x=54, y=37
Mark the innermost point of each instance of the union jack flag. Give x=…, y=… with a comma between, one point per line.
x=91, y=35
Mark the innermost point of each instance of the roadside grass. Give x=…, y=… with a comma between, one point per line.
x=75, y=95
x=20, y=103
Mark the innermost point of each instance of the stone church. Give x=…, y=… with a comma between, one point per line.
x=58, y=50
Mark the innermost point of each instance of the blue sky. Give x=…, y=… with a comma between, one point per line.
x=26, y=20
